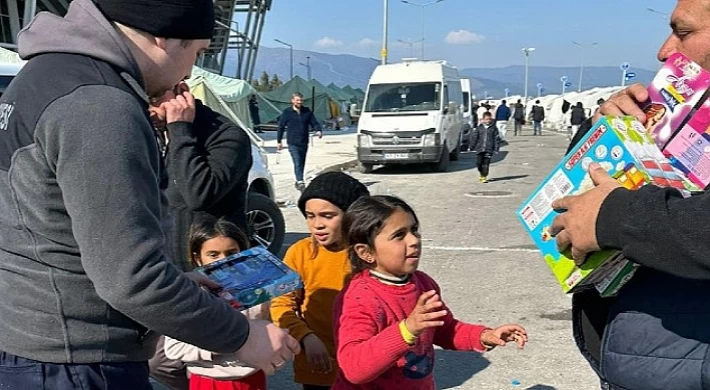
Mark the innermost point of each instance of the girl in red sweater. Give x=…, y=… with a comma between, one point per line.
x=390, y=316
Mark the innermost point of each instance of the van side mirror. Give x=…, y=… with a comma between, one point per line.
x=446, y=110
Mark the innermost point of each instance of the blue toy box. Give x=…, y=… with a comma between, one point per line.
x=252, y=277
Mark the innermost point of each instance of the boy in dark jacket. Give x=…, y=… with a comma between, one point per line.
x=484, y=141
x=519, y=117
x=538, y=115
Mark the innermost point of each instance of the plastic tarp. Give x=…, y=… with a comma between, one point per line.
x=202, y=90
x=9, y=57
x=340, y=94
x=316, y=97
x=235, y=94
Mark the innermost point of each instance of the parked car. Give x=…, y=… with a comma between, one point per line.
x=266, y=223
x=468, y=124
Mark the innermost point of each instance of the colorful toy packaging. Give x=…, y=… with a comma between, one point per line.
x=252, y=277
x=678, y=115
x=628, y=152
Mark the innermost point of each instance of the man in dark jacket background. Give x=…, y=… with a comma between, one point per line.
x=519, y=117
x=538, y=115
x=577, y=117
x=653, y=335
x=297, y=121
x=502, y=118
x=85, y=282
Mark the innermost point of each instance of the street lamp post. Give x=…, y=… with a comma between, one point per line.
x=307, y=65
x=527, y=51
x=581, y=67
x=422, y=6
x=385, y=25
x=290, y=47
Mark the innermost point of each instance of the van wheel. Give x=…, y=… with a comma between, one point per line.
x=443, y=163
x=364, y=168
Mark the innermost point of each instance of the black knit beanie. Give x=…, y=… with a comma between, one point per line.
x=337, y=188
x=179, y=19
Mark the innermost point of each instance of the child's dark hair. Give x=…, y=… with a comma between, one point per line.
x=365, y=219
x=206, y=228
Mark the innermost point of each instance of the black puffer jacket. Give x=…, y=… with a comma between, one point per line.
x=485, y=139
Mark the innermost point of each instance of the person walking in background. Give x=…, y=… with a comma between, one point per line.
x=577, y=117
x=322, y=262
x=519, y=117
x=502, y=118
x=254, y=113
x=538, y=116
x=485, y=142
x=297, y=121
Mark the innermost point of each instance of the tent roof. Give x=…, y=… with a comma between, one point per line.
x=229, y=89
x=297, y=84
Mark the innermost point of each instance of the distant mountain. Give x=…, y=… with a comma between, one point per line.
x=345, y=69
x=514, y=78
x=341, y=69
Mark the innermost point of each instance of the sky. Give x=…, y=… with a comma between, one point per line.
x=475, y=33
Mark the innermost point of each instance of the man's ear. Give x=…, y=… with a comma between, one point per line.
x=162, y=43
x=364, y=253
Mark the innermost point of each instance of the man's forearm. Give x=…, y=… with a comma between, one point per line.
x=658, y=228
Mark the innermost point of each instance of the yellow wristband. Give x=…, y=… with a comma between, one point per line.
x=408, y=337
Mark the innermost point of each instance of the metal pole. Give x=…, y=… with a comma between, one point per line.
x=422, y=32
x=308, y=67
x=623, y=78
x=291, y=54
x=527, y=54
x=384, y=32
x=581, y=72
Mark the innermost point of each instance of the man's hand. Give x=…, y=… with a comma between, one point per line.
x=317, y=354
x=319, y=134
x=202, y=280
x=180, y=109
x=279, y=147
x=625, y=102
x=268, y=347
x=576, y=226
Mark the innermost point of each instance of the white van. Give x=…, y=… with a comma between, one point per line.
x=468, y=124
x=413, y=113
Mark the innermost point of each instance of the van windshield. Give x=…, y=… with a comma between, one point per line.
x=404, y=97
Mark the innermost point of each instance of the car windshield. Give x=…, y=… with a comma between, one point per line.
x=404, y=97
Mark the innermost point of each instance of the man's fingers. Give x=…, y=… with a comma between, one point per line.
x=579, y=256
x=189, y=98
x=562, y=204
x=269, y=369
x=180, y=99
x=563, y=241
x=293, y=345
x=638, y=92
x=599, y=175
x=558, y=225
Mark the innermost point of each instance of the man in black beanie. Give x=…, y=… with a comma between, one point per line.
x=85, y=279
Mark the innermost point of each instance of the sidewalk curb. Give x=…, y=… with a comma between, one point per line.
x=337, y=167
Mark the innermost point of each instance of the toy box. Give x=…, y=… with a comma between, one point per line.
x=679, y=115
x=252, y=277
x=622, y=147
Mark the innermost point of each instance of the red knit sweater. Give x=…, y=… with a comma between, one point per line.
x=371, y=351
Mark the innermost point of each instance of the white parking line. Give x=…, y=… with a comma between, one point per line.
x=478, y=249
